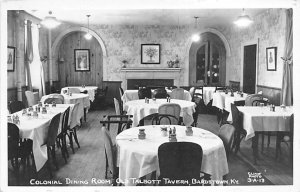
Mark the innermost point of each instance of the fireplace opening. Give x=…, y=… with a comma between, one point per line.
x=152, y=83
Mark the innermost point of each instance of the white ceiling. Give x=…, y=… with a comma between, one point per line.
x=148, y=16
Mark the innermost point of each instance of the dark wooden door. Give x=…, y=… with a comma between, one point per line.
x=249, y=80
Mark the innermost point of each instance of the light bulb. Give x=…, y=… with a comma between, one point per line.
x=195, y=37
x=88, y=36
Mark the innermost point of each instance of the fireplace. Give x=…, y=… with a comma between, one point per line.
x=151, y=77
x=136, y=83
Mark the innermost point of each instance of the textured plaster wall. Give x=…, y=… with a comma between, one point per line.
x=124, y=42
x=269, y=28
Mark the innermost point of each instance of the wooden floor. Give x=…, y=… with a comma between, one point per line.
x=87, y=166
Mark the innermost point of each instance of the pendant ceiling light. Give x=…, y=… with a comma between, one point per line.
x=50, y=21
x=196, y=36
x=243, y=20
x=88, y=36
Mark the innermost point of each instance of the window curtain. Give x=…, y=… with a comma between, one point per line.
x=287, y=81
x=28, y=53
x=35, y=71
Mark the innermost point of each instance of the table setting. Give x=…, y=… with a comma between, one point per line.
x=137, y=156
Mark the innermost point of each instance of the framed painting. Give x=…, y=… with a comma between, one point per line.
x=271, y=58
x=11, y=58
x=82, y=59
x=150, y=53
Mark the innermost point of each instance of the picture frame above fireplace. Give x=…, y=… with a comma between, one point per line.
x=150, y=53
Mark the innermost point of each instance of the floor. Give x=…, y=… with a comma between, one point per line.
x=86, y=166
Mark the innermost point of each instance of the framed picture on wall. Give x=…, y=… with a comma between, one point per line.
x=11, y=58
x=82, y=59
x=271, y=57
x=150, y=53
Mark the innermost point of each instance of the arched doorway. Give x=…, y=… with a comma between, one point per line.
x=63, y=47
x=207, y=61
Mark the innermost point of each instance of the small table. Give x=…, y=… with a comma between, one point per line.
x=90, y=90
x=223, y=101
x=262, y=119
x=36, y=129
x=137, y=158
x=130, y=95
x=208, y=94
x=139, y=109
x=82, y=99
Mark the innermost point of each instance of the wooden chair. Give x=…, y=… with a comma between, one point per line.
x=180, y=161
x=167, y=113
x=61, y=137
x=31, y=100
x=74, y=124
x=15, y=106
x=121, y=91
x=192, y=92
x=17, y=149
x=118, y=108
x=110, y=155
x=220, y=88
x=239, y=133
x=250, y=98
x=144, y=92
x=51, y=138
x=56, y=100
x=177, y=93
x=160, y=93
x=122, y=121
x=226, y=133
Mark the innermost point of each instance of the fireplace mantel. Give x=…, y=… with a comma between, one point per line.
x=143, y=69
x=150, y=73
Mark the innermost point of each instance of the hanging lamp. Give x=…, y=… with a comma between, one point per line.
x=88, y=36
x=50, y=21
x=243, y=20
x=196, y=36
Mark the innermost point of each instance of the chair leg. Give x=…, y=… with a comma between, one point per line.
x=269, y=138
x=54, y=156
x=75, y=136
x=63, y=150
x=71, y=141
x=262, y=142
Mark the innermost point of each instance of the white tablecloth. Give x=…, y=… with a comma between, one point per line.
x=90, y=89
x=137, y=158
x=82, y=99
x=223, y=101
x=139, y=109
x=130, y=95
x=262, y=119
x=37, y=131
x=208, y=94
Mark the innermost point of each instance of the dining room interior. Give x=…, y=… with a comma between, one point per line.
x=118, y=96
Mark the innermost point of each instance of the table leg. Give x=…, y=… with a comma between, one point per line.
x=84, y=111
x=255, y=148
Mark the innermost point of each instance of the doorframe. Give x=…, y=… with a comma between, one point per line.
x=243, y=44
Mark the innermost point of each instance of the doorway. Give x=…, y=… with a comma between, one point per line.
x=249, y=69
x=207, y=61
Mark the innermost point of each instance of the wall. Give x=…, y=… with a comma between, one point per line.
x=269, y=28
x=16, y=38
x=68, y=75
x=124, y=42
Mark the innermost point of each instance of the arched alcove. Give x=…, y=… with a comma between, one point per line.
x=193, y=47
x=64, y=46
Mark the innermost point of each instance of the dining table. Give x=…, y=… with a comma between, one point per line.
x=82, y=99
x=140, y=109
x=265, y=119
x=130, y=95
x=36, y=129
x=208, y=94
x=139, y=157
x=91, y=90
x=223, y=100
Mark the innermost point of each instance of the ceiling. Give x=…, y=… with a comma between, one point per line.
x=147, y=16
